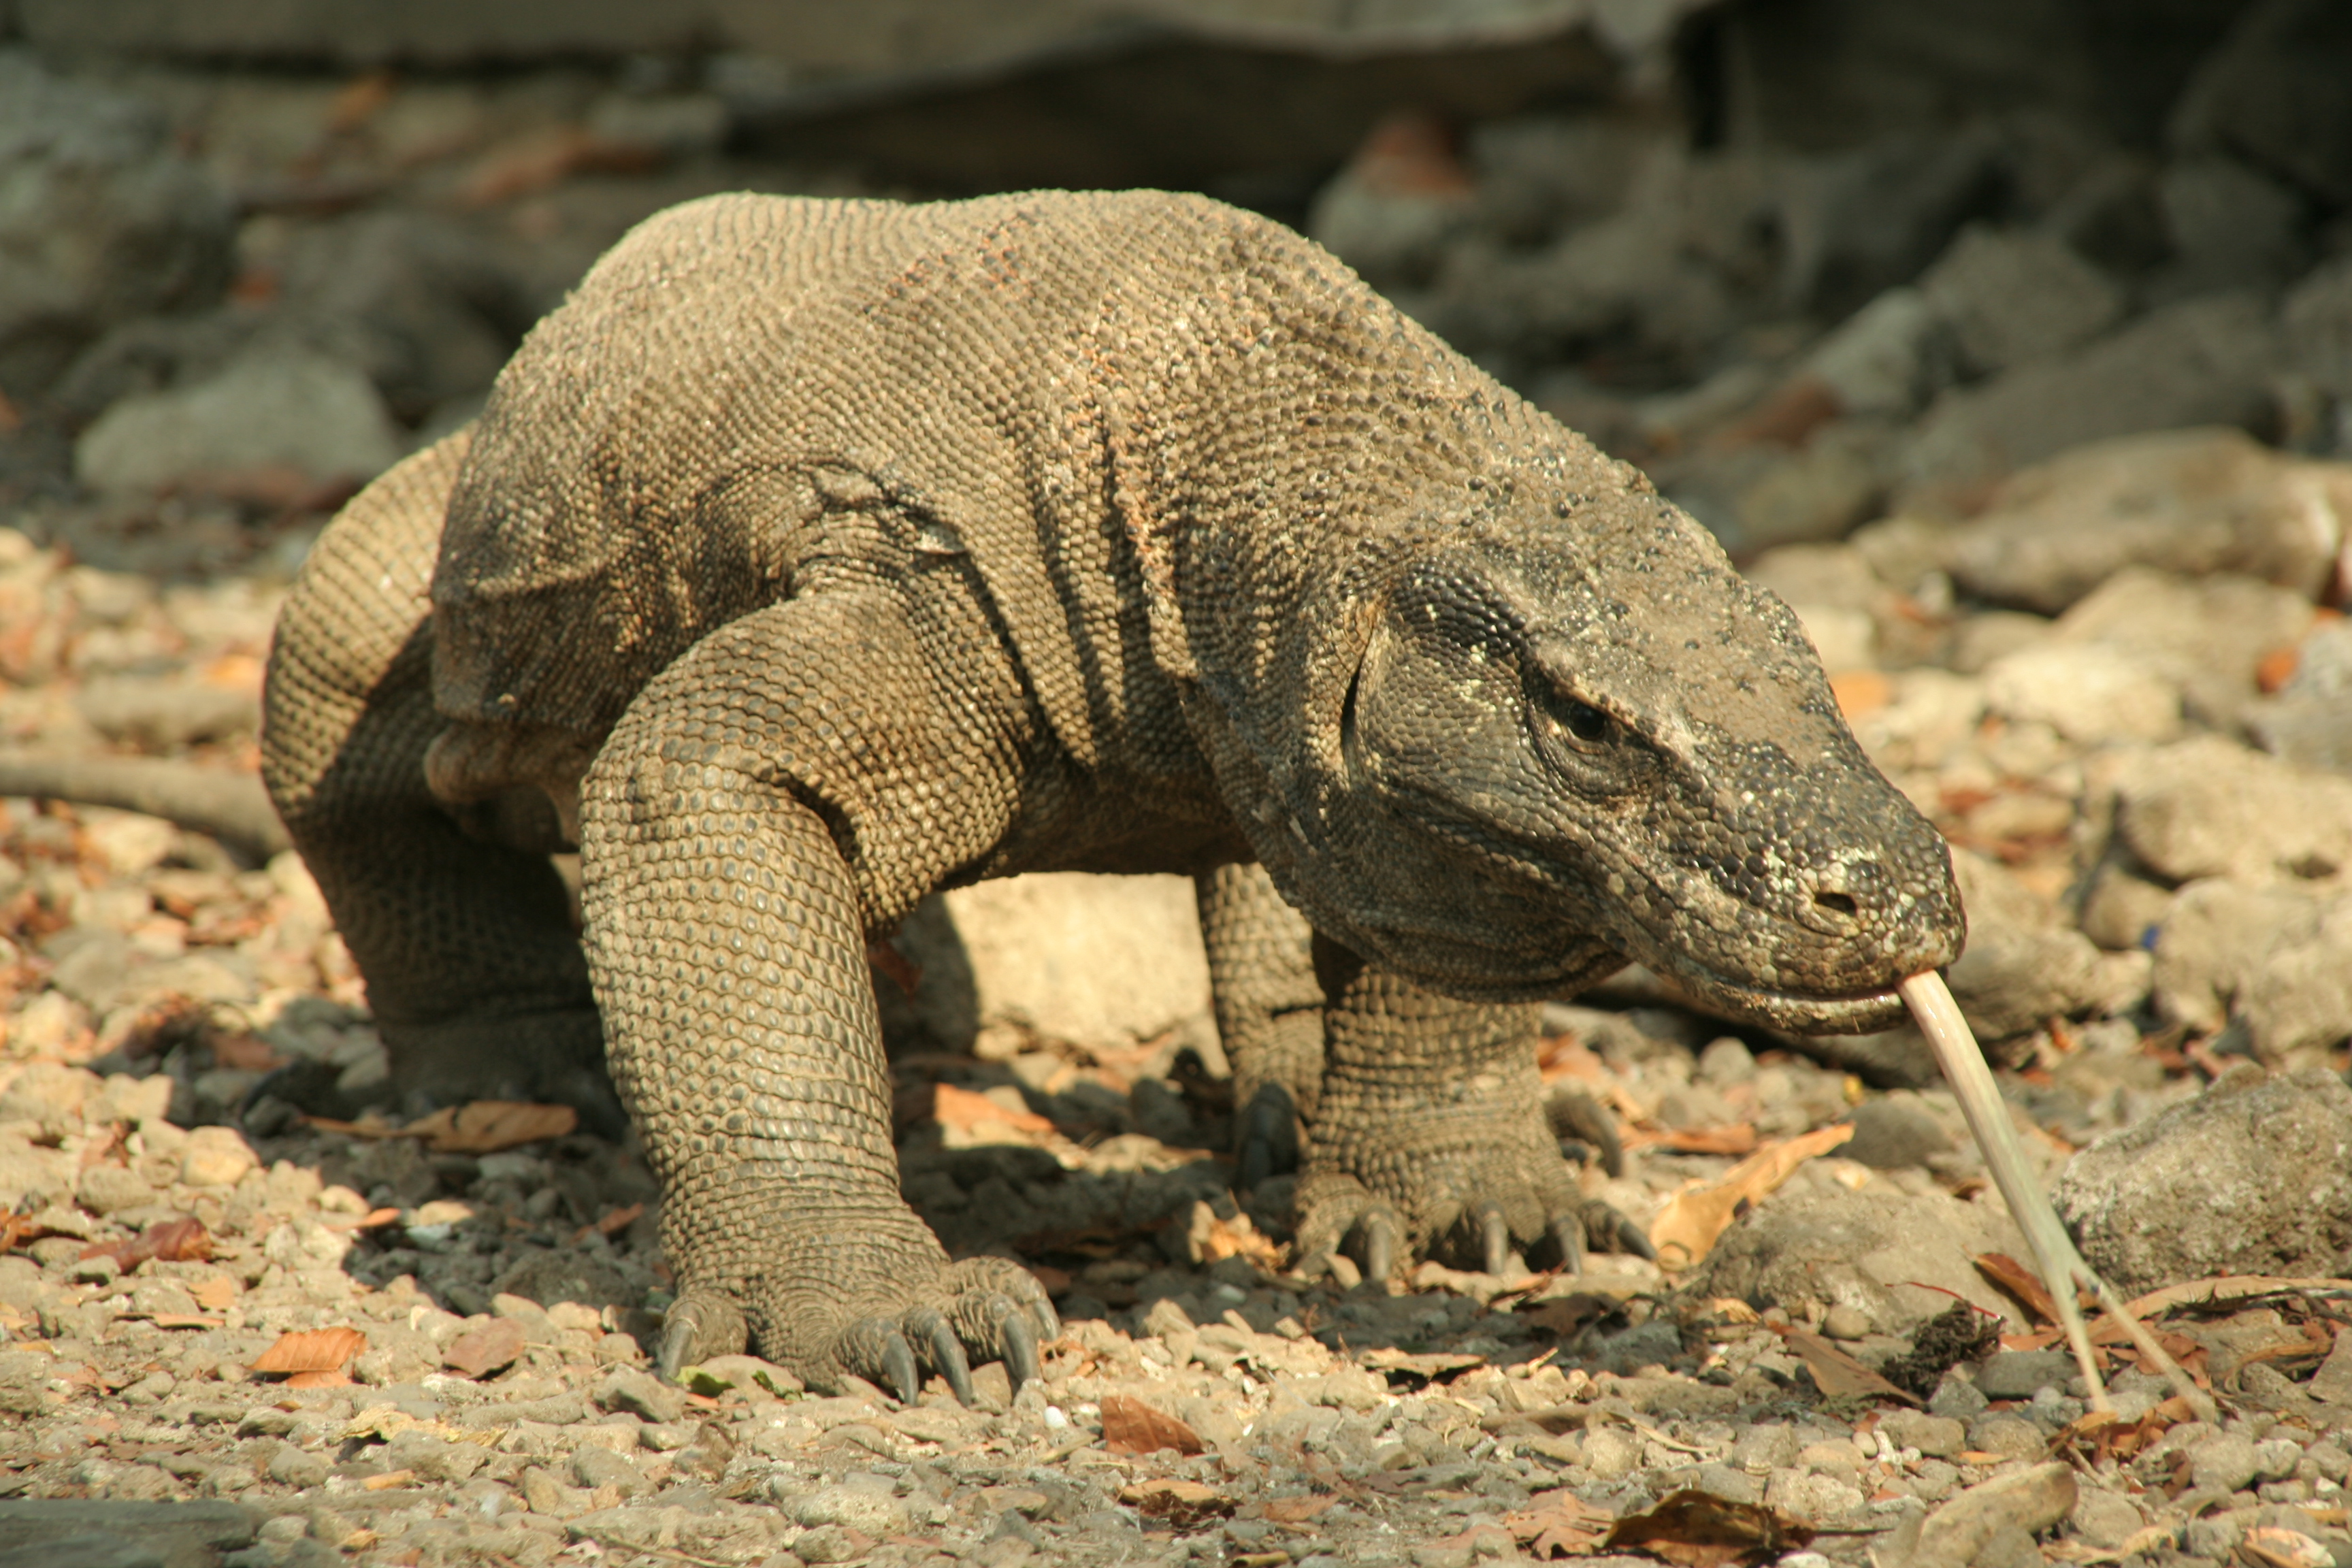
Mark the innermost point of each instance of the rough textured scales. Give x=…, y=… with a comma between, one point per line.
x=819, y=554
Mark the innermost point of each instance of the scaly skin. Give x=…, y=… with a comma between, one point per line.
x=817, y=555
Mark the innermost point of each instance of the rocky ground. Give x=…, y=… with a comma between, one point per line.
x=2039, y=436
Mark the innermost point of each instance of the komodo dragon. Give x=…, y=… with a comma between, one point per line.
x=817, y=555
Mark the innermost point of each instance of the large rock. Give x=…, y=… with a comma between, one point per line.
x=2209, y=807
x=2274, y=92
x=2253, y=1177
x=2024, y=966
x=1872, y=1249
x=101, y=220
x=2188, y=501
x=2276, y=962
x=2206, y=636
x=2205, y=360
x=2012, y=297
x=1102, y=963
x=277, y=407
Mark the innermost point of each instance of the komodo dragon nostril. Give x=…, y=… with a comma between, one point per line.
x=1836, y=903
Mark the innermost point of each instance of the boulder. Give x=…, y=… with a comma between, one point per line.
x=2209, y=637
x=1873, y=1250
x=2188, y=501
x=2276, y=962
x=2204, y=360
x=2253, y=1177
x=2274, y=92
x=101, y=220
x=2023, y=965
x=2009, y=296
x=278, y=408
x=2210, y=807
x=1102, y=963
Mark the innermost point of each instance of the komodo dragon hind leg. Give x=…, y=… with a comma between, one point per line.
x=472, y=967
x=1269, y=1009
x=1430, y=1135
x=727, y=930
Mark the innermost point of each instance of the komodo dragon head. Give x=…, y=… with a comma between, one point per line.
x=1564, y=733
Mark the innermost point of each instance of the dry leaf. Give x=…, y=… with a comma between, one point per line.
x=1237, y=1237
x=1838, y=1374
x=387, y=1480
x=1557, y=1523
x=337, y=1378
x=1739, y=1137
x=217, y=1293
x=1689, y=1225
x=311, y=1350
x=182, y=1240
x=1565, y=1317
x=486, y=1126
x=479, y=1352
x=1430, y=1365
x=1131, y=1426
x=1292, y=1509
x=1182, y=1504
x=2275, y=1546
x=960, y=1108
x=1698, y=1529
x=2020, y=1281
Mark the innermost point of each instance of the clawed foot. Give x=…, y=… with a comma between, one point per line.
x=981, y=1309
x=1338, y=1214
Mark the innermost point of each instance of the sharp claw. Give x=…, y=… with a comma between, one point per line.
x=1049, y=1322
x=678, y=1341
x=898, y=1367
x=1020, y=1337
x=947, y=1354
x=1630, y=1238
x=1567, y=1234
x=1495, y=1235
x=1380, y=1239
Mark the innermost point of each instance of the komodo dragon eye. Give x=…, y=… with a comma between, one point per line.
x=1579, y=720
x=1593, y=751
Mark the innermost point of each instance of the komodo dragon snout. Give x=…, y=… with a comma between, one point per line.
x=1638, y=760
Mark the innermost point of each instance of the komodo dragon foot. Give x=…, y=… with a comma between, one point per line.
x=1431, y=1137
x=873, y=1297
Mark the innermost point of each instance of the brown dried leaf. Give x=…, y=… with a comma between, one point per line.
x=1557, y=1523
x=486, y=1126
x=1292, y=1509
x=182, y=1240
x=1689, y=1225
x=1838, y=1374
x=960, y=1108
x=1431, y=1365
x=311, y=1350
x=1698, y=1529
x=1565, y=1317
x=217, y=1294
x=2020, y=1281
x=338, y=1378
x=1182, y=1504
x=1739, y=1138
x=477, y=1352
x=1131, y=1426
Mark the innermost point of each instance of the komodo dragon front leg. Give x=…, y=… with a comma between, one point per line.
x=744, y=832
x=1416, y=1120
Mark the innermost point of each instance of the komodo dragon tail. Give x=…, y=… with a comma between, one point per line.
x=232, y=807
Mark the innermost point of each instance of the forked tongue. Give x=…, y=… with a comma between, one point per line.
x=2055, y=1259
